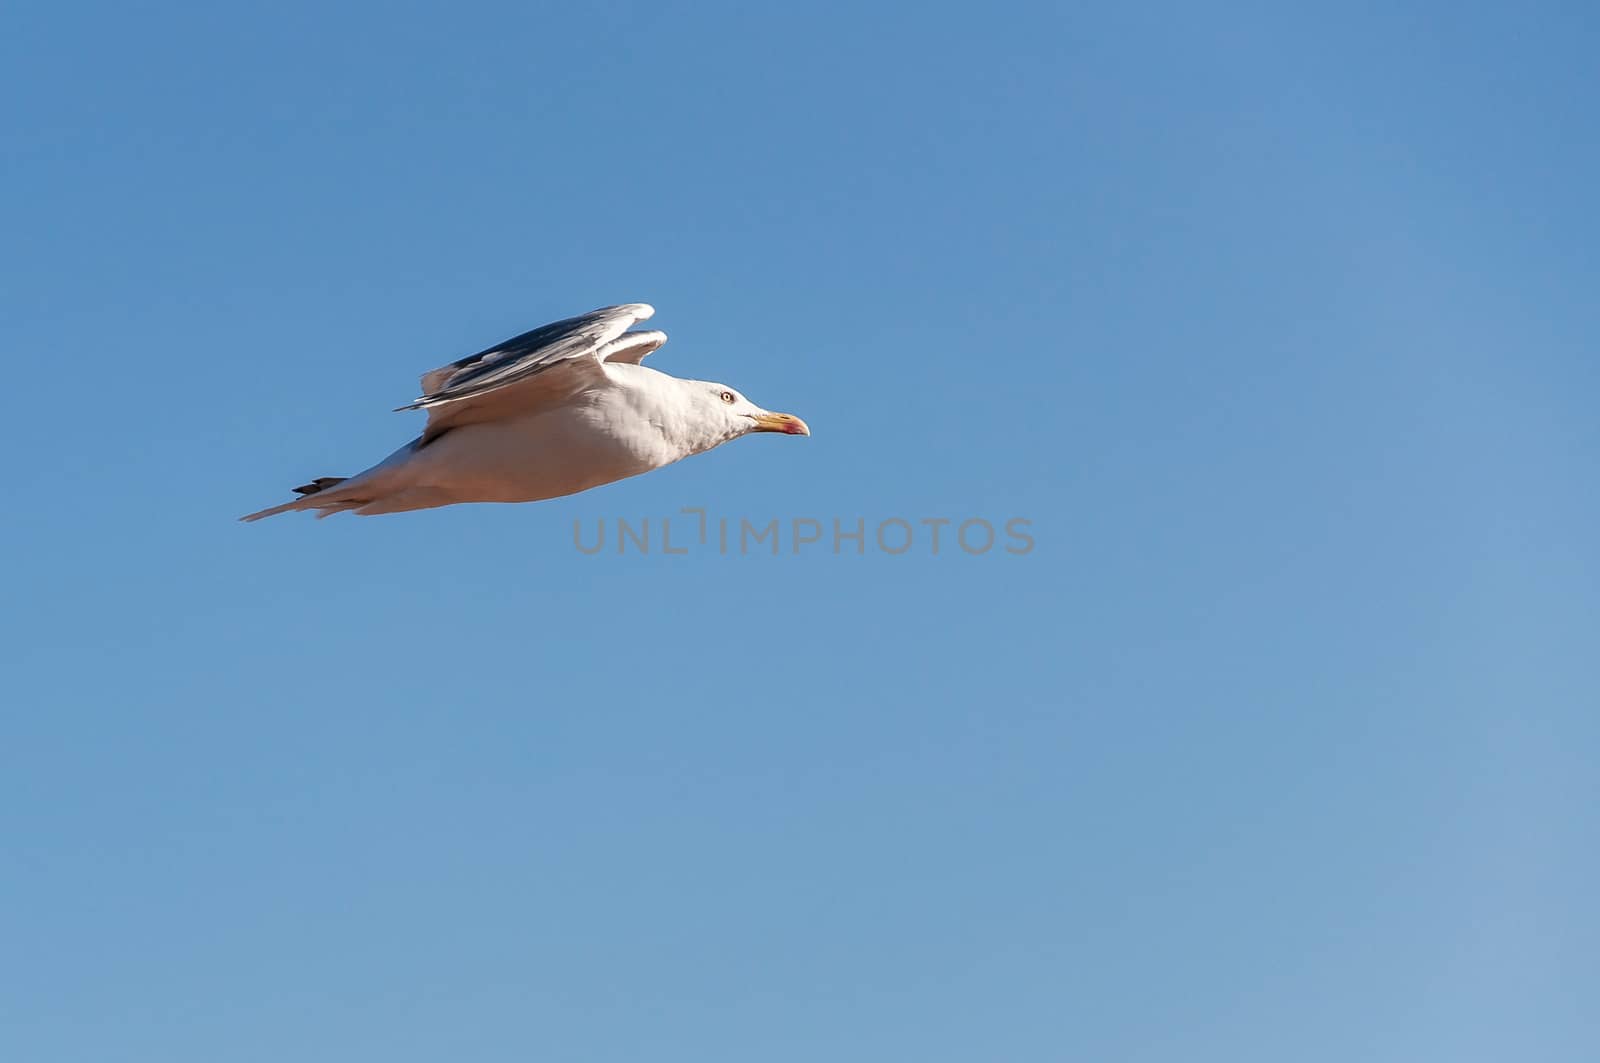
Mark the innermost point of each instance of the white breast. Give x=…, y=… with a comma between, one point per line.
x=554, y=452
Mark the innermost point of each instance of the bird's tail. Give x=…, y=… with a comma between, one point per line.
x=309, y=500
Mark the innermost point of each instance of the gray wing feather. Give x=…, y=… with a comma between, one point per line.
x=531, y=353
x=631, y=347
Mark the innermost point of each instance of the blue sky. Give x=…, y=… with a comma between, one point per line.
x=1278, y=326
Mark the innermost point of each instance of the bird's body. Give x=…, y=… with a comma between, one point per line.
x=553, y=412
x=519, y=458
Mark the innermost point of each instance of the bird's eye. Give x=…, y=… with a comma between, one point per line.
x=727, y=396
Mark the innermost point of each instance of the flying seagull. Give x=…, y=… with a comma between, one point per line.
x=551, y=412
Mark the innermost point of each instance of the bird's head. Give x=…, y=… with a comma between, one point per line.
x=738, y=416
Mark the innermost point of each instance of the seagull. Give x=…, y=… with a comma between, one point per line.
x=551, y=412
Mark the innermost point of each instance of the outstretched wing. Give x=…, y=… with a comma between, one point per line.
x=547, y=364
x=528, y=354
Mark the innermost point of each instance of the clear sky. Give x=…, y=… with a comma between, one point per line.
x=1278, y=327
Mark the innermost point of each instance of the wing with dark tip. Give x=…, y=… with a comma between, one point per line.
x=571, y=343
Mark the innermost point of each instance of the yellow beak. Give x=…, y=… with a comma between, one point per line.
x=787, y=423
